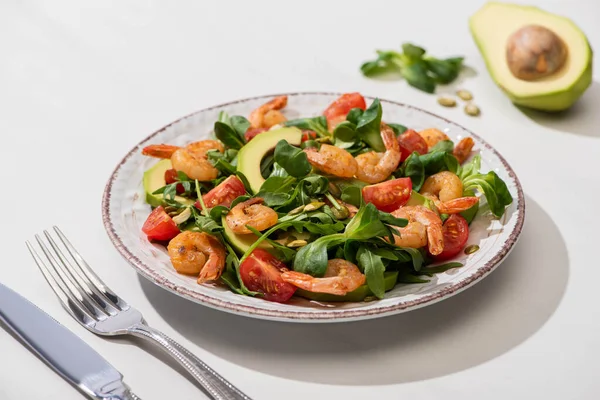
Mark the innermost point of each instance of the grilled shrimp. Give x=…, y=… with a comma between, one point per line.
x=268, y=115
x=252, y=213
x=341, y=277
x=332, y=160
x=376, y=167
x=424, y=228
x=432, y=136
x=197, y=253
x=463, y=149
x=446, y=190
x=191, y=159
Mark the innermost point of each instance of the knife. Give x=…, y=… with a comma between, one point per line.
x=62, y=350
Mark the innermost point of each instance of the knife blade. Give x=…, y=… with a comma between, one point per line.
x=62, y=350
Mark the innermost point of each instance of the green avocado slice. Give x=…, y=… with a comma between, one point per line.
x=251, y=155
x=154, y=179
x=359, y=294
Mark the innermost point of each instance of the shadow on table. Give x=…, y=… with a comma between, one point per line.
x=464, y=331
x=581, y=119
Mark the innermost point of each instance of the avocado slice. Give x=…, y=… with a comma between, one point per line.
x=251, y=155
x=241, y=243
x=359, y=294
x=154, y=179
x=494, y=28
x=417, y=199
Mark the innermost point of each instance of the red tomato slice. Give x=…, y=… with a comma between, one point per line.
x=261, y=272
x=171, y=177
x=388, y=196
x=337, y=111
x=456, y=234
x=308, y=135
x=159, y=226
x=411, y=141
x=251, y=133
x=224, y=194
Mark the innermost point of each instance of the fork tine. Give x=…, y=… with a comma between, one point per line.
x=78, y=281
x=92, y=279
x=66, y=280
x=68, y=302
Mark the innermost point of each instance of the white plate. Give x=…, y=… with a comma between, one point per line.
x=124, y=212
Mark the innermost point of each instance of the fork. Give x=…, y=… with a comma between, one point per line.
x=98, y=309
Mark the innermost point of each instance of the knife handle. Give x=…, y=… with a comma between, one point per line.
x=217, y=387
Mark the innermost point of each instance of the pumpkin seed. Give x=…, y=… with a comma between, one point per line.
x=465, y=95
x=296, y=210
x=340, y=214
x=472, y=110
x=315, y=205
x=297, y=243
x=446, y=101
x=471, y=249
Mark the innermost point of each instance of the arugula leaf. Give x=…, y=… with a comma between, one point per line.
x=420, y=71
x=283, y=253
x=346, y=132
x=397, y=128
x=312, y=258
x=316, y=124
x=388, y=218
x=266, y=166
x=226, y=134
x=354, y=115
x=373, y=269
x=494, y=189
x=205, y=223
x=368, y=126
x=240, y=125
x=439, y=161
x=231, y=274
x=224, y=162
x=445, y=146
x=413, y=168
x=292, y=159
x=366, y=224
x=275, y=190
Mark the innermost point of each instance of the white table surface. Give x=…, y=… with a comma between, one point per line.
x=82, y=82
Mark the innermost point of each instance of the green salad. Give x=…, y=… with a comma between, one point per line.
x=338, y=207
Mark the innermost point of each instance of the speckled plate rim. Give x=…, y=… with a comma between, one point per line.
x=324, y=316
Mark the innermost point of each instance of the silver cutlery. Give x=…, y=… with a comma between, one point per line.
x=97, y=308
x=61, y=349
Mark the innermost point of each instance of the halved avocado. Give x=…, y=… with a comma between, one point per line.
x=251, y=155
x=241, y=243
x=496, y=25
x=154, y=179
x=359, y=294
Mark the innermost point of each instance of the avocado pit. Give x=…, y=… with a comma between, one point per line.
x=534, y=52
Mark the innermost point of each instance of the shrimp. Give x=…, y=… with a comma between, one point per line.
x=266, y=115
x=191, y=159
x=446, y=191
x=424, y=228
x=463, y=149
x=376, y=167
x=341, y=277
x=332, y=160
x=252, y=213
x=432, y=136
x=197, y=253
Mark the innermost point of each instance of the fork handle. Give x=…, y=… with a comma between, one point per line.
x=217, y=387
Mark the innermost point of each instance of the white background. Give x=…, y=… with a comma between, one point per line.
x=82, y=82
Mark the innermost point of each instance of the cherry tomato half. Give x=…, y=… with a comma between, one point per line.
x=251, y=133
x=171, y=177
x=388, y=196
x=159, y=226
x=411, y=141
x=224, y=194
x=456, y=234
x=337, y=111
x=261, y=272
